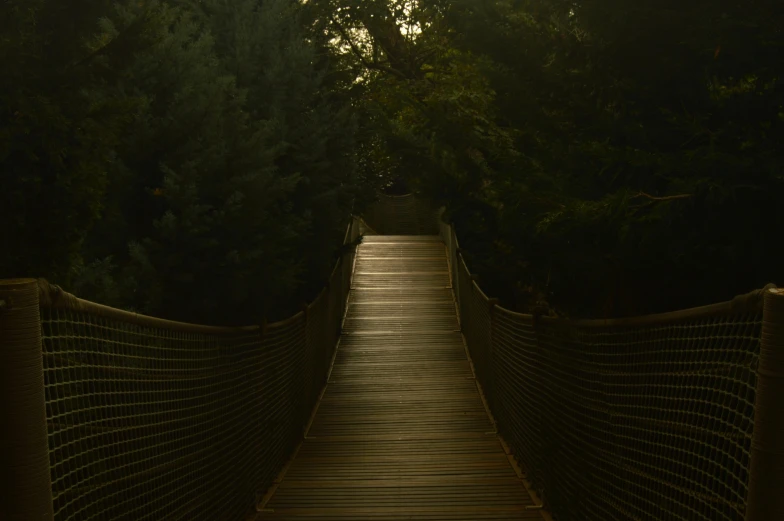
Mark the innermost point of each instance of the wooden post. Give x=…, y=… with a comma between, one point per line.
x=309, y=362
x=24, y=447
x=491, y=372
x=765, y=501
x=456, y=262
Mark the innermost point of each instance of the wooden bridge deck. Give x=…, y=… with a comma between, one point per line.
x=401, y=431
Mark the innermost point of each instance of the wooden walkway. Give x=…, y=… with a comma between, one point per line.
x=401, y=431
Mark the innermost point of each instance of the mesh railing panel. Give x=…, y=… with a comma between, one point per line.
x=315, y=332
x=660, y=416
x=447, y=234
x=477, y=329
x=680, y=398
x=454, y=259
x=142, y=422
x=466, y=303
x=153, y=422
x=519, y=411
x=646, y=420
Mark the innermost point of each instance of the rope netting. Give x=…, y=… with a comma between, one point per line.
x=155, y=420
x=644, y=419
x=674, y=416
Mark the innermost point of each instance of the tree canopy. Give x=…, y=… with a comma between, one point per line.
x=600, y=158
x=199, y=159
x=187, y=159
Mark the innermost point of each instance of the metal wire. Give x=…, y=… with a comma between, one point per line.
x=647, y=419
x=148, y=421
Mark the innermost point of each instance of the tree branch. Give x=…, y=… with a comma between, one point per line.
x=134, y=28
x=665, y=198
x=358, y=53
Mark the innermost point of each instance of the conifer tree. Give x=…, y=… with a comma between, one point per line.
x=293, y=89
x=239, y=169
x=60, y=121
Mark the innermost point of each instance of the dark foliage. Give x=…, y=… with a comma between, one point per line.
x=198, y=159
x=600, y=158
x=193, y=160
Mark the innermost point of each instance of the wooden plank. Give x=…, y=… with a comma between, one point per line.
x=401, y=431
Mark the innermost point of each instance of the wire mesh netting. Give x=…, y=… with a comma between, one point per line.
x=151, y=421
x=646, y=419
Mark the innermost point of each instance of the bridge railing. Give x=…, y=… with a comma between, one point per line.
x=663, y=417
x=106, y=414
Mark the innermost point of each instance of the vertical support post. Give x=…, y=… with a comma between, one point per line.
x=345, y=289
x=24, y=445
x=306, y=384
x=462, y=298
x=491, y=372
x=455, y=260
x=470, y=300
x=765, y=501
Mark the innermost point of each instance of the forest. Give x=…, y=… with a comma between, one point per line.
x=199, y=160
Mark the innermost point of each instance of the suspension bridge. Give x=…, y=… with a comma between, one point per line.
x=401, y=392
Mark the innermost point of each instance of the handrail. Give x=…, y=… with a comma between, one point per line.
x=676, y=415
x=109, y=413
x=750, y=302
x=54, y=297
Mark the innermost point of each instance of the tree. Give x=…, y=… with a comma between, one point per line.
x=59, y=126
x=239, y=171
x=614, y=146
